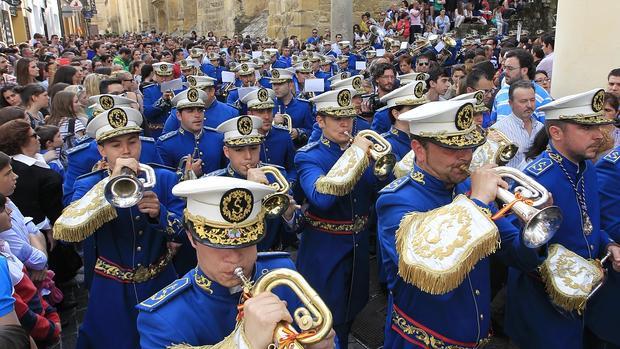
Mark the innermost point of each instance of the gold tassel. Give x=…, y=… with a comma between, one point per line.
x=348, y=167
x=226, y=343
x=92, y=210
x=440, y=283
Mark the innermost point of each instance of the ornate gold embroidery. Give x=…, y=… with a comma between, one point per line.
x=344, y=98
x=339, y=111
x=358, y=225
x=465, y=140
x=117, y=118
x=243, y=141
x=229, y=234
x=138, y=275
x=427, y=242
x=555, y=157
x=464, y=117
x=411, y=101
x=417, y=176
x=236, y=205
x=118, y=132
x=598, y=101
x=202, y=282
x=244, y=125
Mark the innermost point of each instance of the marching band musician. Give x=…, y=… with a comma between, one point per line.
x=189, y=67
x=157, y=103
x=213, y=68
x=212, y=287
x=247, y=75
x=333, y=253
x=572, y=124
x=602, y=308
x=242, y=145
x=129, y=249
x=84, y=157
x=303, y=71
x=192, y=138
x=299, y=109
x=215, y=112
x=277, y=147
x=425, y=219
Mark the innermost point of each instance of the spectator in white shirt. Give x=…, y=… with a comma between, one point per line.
x=520, y=126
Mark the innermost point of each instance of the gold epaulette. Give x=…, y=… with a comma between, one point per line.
x=230, y=342
x=84, y=216
x=345, y=173
x=404, y=166
x=438, y=248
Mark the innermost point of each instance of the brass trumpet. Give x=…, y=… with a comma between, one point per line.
x=127, y=189
x=540, y=224
x=277, y=202
x=498, y=150
x=184, y=169
x=314, y=315
x=288, y=121
x=381, y=152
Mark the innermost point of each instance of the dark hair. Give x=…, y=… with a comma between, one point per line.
x=404, y=58
x=435, y=74
x=145, y=71
x=5, y=160
x=29, y=91
x=3, y=89
x=379, y=70
x=525, y=60
x=13, y=136
x=458, y=67
x=538, y=52
x=64, y=74
x=96, y=45
x=474, y=77
x=613, y=72
x=14, y=337
x=541, y=72
x=549, y=39
x=62, y=107
x=124, y=50
x=46, y=134
x=103, y=71
x=11, y=113
x=105, y=84
x=54, y=89
x=487, y=67
x=538, y=145
x=105, y=58
x=21, y=71
x=519, y=84
x=609, y=98
x=133, y=65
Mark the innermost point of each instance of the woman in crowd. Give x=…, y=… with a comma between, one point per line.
x=442, y=23
x=403, y=26
x=38, y=193
x=12, y=113
x=26, y=71
x=34, y=98
x=65, y=106
x=67, y=74
x=542, y=79
x=8, y=96
x=611, y=134
x=82, y=97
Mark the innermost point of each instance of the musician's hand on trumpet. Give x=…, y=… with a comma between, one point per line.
x=121, y=163
x=149, y=204
x=363, y=143
x=614, y=251
x=484, y=183
x=290, y=210
x=261, y=314
x=257, y=175
x=196, y=167
x=278, y=119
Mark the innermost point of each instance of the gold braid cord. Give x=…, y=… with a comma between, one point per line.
x=438, y=248
x=235, y=340
x=345, y=173
x=84, y=216
x=569, y=278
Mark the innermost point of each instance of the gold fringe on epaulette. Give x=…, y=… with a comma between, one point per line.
x=431, y=281
x=83, y=217
x=559, y=298
x=344, y=175
x=226, y=343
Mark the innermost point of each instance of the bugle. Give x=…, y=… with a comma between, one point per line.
x=126, y=190
x=278, y=202
x=381, y=152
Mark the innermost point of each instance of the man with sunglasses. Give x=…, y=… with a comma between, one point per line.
x=422, y=64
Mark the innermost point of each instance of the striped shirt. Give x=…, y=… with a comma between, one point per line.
x=501, y=108
x=514, y=129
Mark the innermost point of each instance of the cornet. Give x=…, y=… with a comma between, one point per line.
x=288, y=121
x=277, y=202
x=381, y=152
x=313, y=316
x=540, y=224
x=184, y=169
x=498, y=149
x=127, y=189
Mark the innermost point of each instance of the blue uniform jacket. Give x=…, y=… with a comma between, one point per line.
x=197, y=311
x=129, y=241
x=461, y=315
x=531, y=319
x=84, y=156
x=400, y=141
x=155, y=109
x=335, y=265
x=278, y=149
x=300, y=111
x=358, y=124
x=381, y=122
x=282, y=62
x=215, y=114
x=603, y=307
x=276, y=228
x=233, y=100
x=176, y=144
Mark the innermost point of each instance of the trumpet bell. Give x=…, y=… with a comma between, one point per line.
x=275, y=205
x=384, y=166
x=506, y=152
x=541, y=225
x=124, y=191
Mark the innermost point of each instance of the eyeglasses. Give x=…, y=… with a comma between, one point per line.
x=540, y=81
x=509, y=68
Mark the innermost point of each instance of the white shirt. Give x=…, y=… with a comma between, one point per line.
x=38, y=160
x=514, y=129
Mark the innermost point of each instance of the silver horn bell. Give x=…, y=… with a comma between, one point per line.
x=126, y=190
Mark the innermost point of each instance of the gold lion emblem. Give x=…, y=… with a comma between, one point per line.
x=106, y=102
x=420, y=77
x=344, y=75
x=344, y=98
x=117, y=118
x=464, y=117
x=275, y=74
x=357, y=83
x=418, y=91
x=236, y=205
x=598, y=101
x=184, y=63
x=244, y=125
x=262, y=95
x=306, y=65
x=192, y=81
x=192, y=95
